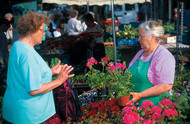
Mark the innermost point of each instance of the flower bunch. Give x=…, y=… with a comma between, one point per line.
x=101, y=111
x=113, y=76
x=147, y=113
x=97, y=78
x=119, y=81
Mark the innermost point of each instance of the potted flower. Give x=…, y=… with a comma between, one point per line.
x=117, y=82
x=97, y=78
x=120, y=85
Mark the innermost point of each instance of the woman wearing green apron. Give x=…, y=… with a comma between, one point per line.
x=153, y=67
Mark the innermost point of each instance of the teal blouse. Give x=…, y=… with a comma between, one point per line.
x=27, y=71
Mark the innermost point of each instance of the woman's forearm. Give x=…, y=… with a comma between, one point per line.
x=157, y=90
x=46, y=87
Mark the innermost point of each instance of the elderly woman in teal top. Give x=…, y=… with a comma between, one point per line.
x=153, y=67
x=28, y=98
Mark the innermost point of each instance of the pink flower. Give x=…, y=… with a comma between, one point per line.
x=118, y=65
x=170, y=113
x=164, y=103
x=167, y=101
x=128, y=119
x=156, y=116
x=127, y=109
x=88, y=65
x=105, y=59
x=111, y=66
x=147, y=121
x=146, y=104
x=156, y=109
x=123, y=66
x=91, y=62
x=131, y=118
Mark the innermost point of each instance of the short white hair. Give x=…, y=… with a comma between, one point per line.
x=8, y=15
x=153, y=28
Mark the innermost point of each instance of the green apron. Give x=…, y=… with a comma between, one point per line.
x=139, y=71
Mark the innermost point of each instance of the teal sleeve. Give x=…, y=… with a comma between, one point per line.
x=30, y=72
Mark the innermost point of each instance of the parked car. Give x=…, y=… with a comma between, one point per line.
x=127, y=13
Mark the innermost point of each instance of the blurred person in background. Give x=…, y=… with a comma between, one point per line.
x=4, y=26
x=53, y=27
x=74, y=25
x=9, y=32
x=94, y=30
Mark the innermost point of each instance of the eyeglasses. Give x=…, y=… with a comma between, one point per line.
x=42, y=30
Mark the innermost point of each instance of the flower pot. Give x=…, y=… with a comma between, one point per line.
x=123, y=100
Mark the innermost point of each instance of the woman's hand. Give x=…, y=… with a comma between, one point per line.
x=62, y=77
x=64, y=73
x=57, y=68
x=136, y=97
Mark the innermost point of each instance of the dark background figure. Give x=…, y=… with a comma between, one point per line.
x=52, y=26
x=94, y=30
x=4, y=25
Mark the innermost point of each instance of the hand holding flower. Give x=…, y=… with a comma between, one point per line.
x=136, y=97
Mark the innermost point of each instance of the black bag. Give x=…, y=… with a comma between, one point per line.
x=68, y=106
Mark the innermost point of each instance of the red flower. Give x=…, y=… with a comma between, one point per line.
x=92, y=113
x=83, y=108
x=111, y=102
x=101, y=108
x=114, y=109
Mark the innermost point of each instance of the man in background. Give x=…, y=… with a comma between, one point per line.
x=9, y=33
x=74, y=25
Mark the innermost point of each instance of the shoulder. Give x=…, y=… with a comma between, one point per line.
x=21, y=50
x=162, y=54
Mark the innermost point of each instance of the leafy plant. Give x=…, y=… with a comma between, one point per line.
x=128, y=32
x=110, y=53
x=167, y=27
x=120, y=84
x=95, y=78
x=78, y=79
x=182, y=76
x=117, y=82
